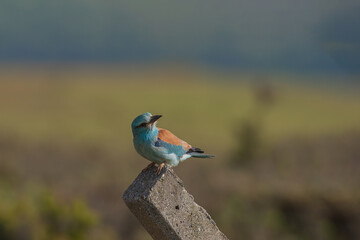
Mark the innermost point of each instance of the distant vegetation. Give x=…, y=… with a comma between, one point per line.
x=66, y=152
x=297, y=37
x=38, y=215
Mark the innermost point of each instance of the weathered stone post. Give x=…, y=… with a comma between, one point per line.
x=166, y=210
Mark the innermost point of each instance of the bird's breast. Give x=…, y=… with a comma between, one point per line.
x=143, y=147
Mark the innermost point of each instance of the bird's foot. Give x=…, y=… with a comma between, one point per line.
x=148, y=166
x=160, y=167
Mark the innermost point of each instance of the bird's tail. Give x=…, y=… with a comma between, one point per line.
x=198, y=153
x=201, y=155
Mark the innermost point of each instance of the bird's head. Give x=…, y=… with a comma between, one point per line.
x=144, y=123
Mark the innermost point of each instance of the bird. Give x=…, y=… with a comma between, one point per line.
x=159, y=145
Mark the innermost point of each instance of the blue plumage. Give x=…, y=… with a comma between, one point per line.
x=159, y=145
x=170, y=148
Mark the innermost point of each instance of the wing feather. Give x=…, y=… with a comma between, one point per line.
x=169, y=137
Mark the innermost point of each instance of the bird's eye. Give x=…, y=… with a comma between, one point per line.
x=141, y=125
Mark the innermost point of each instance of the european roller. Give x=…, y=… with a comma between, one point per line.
x=159, y=145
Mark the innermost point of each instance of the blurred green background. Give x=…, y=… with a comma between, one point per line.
x=270, y=88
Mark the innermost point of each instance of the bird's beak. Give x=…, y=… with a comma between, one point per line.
x=154, y=118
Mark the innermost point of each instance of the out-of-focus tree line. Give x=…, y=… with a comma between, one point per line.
x=297, y=37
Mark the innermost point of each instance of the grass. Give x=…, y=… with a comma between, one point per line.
x=68, y=130
x=90, y=106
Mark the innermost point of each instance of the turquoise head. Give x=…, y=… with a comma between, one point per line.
x=144, y=123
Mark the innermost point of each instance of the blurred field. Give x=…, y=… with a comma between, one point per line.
x=98, y=106
x=67, y=131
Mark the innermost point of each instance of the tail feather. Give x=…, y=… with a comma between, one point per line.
x=200, y=155
x=195, y=149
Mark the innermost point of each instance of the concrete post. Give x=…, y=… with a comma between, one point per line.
x=166, y=210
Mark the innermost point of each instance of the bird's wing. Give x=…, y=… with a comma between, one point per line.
x=172, y=143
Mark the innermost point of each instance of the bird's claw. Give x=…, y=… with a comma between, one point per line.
x=159, y=168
